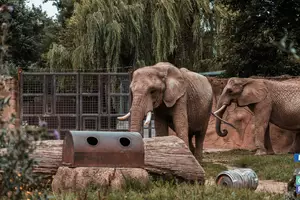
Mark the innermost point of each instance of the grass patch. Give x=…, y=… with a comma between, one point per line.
x=270, y=167
x=226, y=156
x=212, y=169
x=267, y=167
x=159, y=190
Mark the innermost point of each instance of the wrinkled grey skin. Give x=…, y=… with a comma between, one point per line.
x=179, y=98
x=270, y=101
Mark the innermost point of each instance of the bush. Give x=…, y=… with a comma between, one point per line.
x=17, y=177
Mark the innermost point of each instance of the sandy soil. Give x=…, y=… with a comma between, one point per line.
x=214, y=150
x=272, y=186
x=263, y=186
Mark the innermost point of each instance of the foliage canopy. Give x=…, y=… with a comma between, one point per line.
x=202, y=35
x=24, y=36
x=110, y=35
x=254, y=29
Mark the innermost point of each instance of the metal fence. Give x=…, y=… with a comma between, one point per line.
x=76, y=100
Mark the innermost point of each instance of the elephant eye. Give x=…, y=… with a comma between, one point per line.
x=152, y=91
x=229, y=91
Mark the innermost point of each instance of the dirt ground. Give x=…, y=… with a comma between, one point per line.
x=263, y=185
x=269, y=186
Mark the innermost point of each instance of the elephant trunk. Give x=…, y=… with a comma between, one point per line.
x=137, y=116
x=140, y=107
x=219, y=114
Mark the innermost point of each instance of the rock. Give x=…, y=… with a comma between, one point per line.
x=76, y=179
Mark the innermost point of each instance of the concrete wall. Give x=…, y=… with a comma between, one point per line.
x=9, y=87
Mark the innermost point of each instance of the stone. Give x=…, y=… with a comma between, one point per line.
x=76, y=179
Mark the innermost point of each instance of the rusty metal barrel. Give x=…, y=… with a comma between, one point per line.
x=103, y=149
x=238, y=178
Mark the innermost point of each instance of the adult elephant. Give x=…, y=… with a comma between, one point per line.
x=179, y=98
x=270, y=101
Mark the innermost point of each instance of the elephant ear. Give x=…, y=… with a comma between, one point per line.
x=175, y=86
x=254, y=91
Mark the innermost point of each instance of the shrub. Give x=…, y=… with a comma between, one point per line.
x=17, y=177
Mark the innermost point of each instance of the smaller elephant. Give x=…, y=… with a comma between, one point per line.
x=271, y=102
x=180, y=99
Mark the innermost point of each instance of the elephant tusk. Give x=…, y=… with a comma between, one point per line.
x=216, y=112
x=225, y=122
x=124, y=117
x=148, y=119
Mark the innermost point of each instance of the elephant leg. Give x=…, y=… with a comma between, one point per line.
x=259, y=140
x=199, y=139
x=161, y=126
x=268, y=143
x=180, y=120
x=295, y=148
x=191, y=145
x=262, y=116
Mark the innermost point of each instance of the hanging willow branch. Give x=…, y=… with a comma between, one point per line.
x=110, y=34
x=58, y=56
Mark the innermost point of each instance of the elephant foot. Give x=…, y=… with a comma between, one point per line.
x=291, y=151
x=260, y=152
x=198, y=158
x=192, y=148
x=192, y=151
x=270, y=152
x=294, y=150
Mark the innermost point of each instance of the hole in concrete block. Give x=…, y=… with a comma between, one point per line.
x=124, y=141
x=92, y=141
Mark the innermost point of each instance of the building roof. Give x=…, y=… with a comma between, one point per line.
x=214, y=73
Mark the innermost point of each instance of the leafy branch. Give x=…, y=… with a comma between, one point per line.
x=16, y=176
x=285, y=47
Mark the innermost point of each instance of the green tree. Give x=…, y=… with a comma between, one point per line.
x=26, y=38
x=251, y=34
x=65, y=9
x=110, y=35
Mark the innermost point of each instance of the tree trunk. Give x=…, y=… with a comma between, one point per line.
x=165, y=156
x=169, y=156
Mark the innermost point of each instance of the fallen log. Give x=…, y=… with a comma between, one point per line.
x=170, y=156
x=165, y=156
